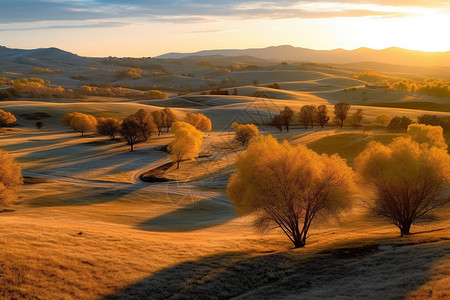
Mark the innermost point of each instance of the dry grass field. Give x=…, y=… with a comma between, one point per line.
x=86, y=227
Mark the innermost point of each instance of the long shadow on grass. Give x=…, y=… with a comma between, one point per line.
x=201, y=214
x=352, y=273
x=79, y=197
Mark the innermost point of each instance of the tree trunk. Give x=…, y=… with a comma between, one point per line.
x=178, y=164
x=131, y=147
x=287, y=127
x=405, y=229
x=82, y=132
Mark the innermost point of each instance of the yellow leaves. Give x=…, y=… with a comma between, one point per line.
x=427, y=135
x=274, y=174
x=10, y=178
x=245, y=132
x=6, y=118
x=187, y=142
x=79, y=122
x=199, y=121
x=402, y=164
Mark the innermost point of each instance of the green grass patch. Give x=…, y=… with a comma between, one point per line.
x=349, y=145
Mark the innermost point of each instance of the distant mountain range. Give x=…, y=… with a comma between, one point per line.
x=397, y=56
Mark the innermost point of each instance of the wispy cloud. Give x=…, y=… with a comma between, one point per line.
x=189, y=11
x=88, y=25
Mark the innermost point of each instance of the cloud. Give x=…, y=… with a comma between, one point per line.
x=89, y=25
x=187, y=11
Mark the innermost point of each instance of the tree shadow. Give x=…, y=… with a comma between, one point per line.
x=201, y=214
x=80, y=197
x=370, y=273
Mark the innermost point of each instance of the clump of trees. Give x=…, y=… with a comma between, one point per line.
x=382, y=120
x=399, y=124
x=199, y=121
x=245, y=132
x=109, y=126
x=288, y=192
x=10, y=178
x=187, y=142
x=284, y=118
x=137, y=128
x=6, y=118
x=38, y=70
x=274, y=86
x=434, y=120
x=307, y=115
x=357, y=118
x=122, y=92
x=218, y=91
x=340, y=113
x=405, y=177
x=433, y=87
x=431, y=136
x=79, y=122
x=133, y=73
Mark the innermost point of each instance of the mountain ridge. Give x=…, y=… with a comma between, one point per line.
x=391, y=55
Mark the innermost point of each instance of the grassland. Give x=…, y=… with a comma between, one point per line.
x=86, y=227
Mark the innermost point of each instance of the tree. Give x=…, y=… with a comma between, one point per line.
x=340, y=112
x=382, y=120
x=199, y=121
x=159, y=117
x=245, y=133
x=109, y=126
x=307, y=115
x=322, y=115
x=146, y=124
x=432, y=136
x=277, y=122
x=131, y=132
x=170, y=118
x=289, y=186
x=10, y=178
x=6, y=118
x=399, y=124
x=39, y=125
x=79, y=122
x=187, y=142
x=235, y=92
x=405, y=178
x=286, y=116
x=357, y=118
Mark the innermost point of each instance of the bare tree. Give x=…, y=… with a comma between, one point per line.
x=322, y=115
x=340, y=112
x=307, y=115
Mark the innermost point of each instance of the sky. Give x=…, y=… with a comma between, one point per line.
x=138, y=28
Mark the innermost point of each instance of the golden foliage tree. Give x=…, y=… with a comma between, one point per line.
x=79, y=122
x=199, y=121
x=382, y=120
x=340, y=113
x=109, y=126
x=289, y=186
x=187, y=142
x=245, y=132
x=6, y=118
x=159, y=117
x=170, y=117
x=406, y=179
x=146, y=124
x=427, y=134
x=10, y=178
